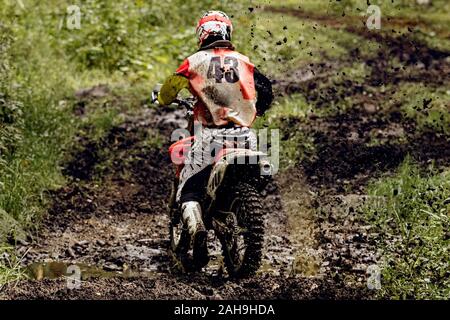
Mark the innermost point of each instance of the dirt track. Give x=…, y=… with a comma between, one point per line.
x=112, y=214
x=115, y=220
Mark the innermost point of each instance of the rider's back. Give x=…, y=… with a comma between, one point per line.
x=223, y=81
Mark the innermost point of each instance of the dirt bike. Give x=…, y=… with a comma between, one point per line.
x=232, y=206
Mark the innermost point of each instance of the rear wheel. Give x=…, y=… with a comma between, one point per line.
x=243, y=242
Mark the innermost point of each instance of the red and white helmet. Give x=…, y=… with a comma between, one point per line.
x=214, y=23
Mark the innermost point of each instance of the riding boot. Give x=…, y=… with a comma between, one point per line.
x=192, y=219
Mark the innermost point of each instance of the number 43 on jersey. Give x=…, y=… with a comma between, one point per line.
x=227, y=72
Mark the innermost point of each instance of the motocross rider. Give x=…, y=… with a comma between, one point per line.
x=230, y=92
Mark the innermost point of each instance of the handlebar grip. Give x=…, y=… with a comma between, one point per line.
x=155, y=97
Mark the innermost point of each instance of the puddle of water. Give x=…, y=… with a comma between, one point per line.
x=57, y=269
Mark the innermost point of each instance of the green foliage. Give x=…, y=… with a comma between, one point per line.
x=413, y=222
x=33, y=128
x=10, y=109
x=11, y=126
x=112, y=41
x=149, y=37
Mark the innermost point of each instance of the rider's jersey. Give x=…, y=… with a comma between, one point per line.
x=223, y=81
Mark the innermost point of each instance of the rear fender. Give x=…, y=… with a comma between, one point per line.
x=232, y=157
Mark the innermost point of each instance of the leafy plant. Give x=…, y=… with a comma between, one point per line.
x=10, y=109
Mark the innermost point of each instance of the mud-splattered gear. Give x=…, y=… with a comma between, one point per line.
x=213, y=25
x=222, y=80
x=192, y=217
x=228, y=87
x=177, y=82
x=205, y=150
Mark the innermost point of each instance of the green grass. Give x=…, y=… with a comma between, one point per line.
x=413, y=223
x=10, y=268
x=289, y=106
x=284, y=115
x=281, y=43
x=428, y=107
x=428, y=21
x=31, y=167
x=436, y=13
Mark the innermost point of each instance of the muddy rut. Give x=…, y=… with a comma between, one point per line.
x=111, y=219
